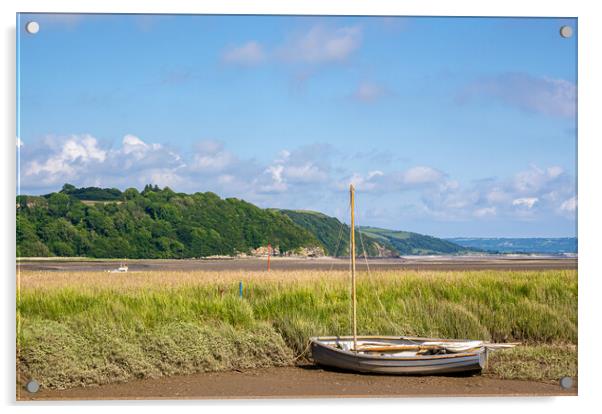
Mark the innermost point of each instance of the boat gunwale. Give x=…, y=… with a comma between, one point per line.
x=411, y=338
x=411, y=358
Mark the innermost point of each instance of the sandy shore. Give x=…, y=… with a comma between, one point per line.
x=301, y=382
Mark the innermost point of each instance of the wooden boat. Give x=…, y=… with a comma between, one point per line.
x=397, y=354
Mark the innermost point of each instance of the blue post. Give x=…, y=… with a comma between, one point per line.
x=240, y=289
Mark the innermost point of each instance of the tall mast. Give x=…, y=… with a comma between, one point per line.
x=352, y=254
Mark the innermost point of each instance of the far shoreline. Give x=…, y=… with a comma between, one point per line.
x=474, y=256
x=258, y=264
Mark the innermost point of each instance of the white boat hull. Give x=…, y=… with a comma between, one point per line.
x=330, y=351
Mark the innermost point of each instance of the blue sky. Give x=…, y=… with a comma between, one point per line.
x=447, y=126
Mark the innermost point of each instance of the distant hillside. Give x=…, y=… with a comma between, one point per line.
x=378, y=242
x=560, y=245
x=407, y=243
x=160, y=223
x=153, y=223
x=332, y=234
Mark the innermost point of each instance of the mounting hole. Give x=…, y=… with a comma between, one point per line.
x=566, y=31
x=32, y=386
x=32, y=27
x=566, y=382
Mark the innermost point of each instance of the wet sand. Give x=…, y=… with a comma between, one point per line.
x=301, y=382
x=277, y=263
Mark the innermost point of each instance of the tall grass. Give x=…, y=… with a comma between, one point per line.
x=93, y=328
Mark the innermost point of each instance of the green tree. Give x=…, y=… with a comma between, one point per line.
x=152, y=224
x=131, y=194
x=98, y=222
x=68, y=189
x=58, y=204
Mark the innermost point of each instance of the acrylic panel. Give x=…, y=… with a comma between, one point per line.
x=244, y=206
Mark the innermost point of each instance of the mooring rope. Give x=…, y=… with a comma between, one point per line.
x=382, y=306
x=336, y=251
x=302, y=352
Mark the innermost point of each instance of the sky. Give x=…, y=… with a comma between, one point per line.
x=453, y=127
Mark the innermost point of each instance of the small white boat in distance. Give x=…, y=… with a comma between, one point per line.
x=123, y=268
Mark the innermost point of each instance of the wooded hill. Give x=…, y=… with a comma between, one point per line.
x=160, y=223
x=334, y=235
x=154, y=223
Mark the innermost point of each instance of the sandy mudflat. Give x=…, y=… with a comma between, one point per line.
x=258, y=264
x=301, y=382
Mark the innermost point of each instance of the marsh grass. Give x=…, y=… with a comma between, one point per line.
x=544, y=362
x=94, y=328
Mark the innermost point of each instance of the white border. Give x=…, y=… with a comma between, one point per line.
x=590, y=159
x=337, y=7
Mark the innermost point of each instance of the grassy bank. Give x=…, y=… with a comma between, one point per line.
x=94, y=328
x=543, y=362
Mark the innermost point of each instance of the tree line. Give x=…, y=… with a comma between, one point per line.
x=152, y=223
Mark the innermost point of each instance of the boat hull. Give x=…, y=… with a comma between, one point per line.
x=324, y=353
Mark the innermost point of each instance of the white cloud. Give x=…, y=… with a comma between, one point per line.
x=226, y=178
x=513, y=198
x=277, y=184
x=569, y=205
x=357, y=180
x=283, y=156
x=19, y=142
x=422, y=175
x=318, y=44
x=214, y=162
x=369, y=92
x=290, y=169
x=321, y=44
x=528, y=202
x=535, y=178
x=133, y=146
x=209, y=146
x=375, y=173
x=164, y=177
x=136, y=154
x=367, y=183
x=447, y=199
x=85, y=149
x=248, y=54
x=485, y=212
x=80, y=159
x=497, y=195
x=69, y=155
x=276, y=172
x=415, y=178
x=305, y=173
x=211, y=156
x=544, y=95
x=554, y=171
